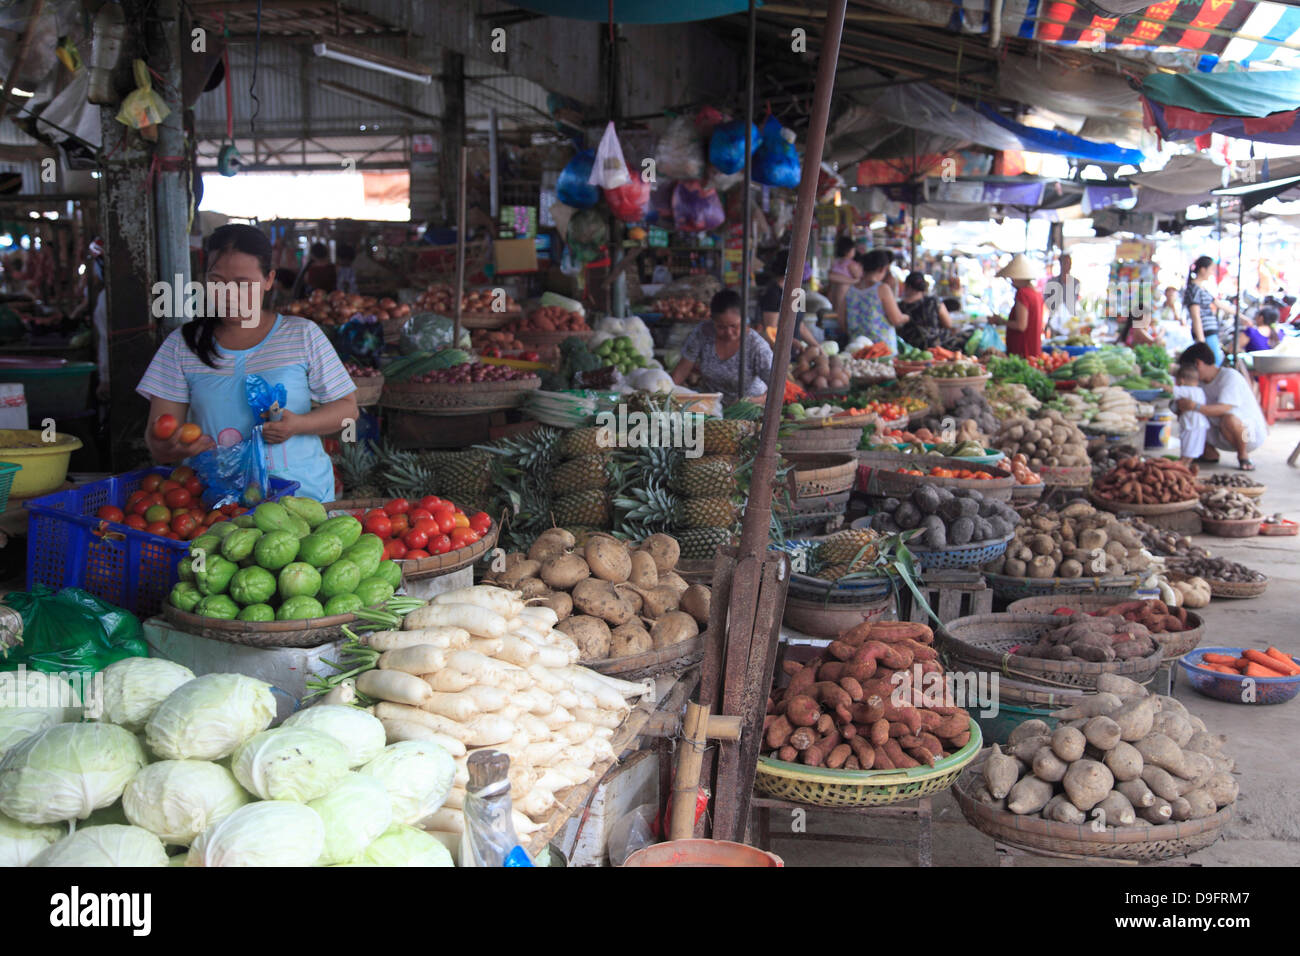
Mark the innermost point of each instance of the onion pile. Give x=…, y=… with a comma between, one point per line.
x=472, y=372
x=335, y=308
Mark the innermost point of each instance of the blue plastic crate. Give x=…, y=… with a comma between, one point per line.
x=132, y=569
x=7, y=472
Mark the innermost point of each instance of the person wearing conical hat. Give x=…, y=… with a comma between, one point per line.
x=1025, y=322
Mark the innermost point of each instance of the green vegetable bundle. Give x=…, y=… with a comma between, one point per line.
x=1017, y=370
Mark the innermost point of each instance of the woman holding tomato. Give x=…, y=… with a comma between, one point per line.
x=199, y=372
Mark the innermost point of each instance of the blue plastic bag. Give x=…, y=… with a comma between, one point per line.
x=572, y=187
x=727, y=146
x=776, y=161
x=238, y=473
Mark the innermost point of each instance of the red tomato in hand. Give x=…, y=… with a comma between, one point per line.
x=401, y=524
x=190, y=433
x=398, y=506
x=480, y=521
x=415, y=539
x=438, y=544
x=164, y=427
x=429, y=503
x=378, y=525
x=111, y=513
x=178, y=497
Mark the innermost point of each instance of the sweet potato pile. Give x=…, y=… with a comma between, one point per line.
x=858, y=706
x=1095, y=639
x=1155, y=616
x=1148, y=481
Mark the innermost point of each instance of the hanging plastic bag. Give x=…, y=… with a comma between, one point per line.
x=680, y=152
x=360, y=340
x=428, y=332
x=661, y=201
x=697, y=208
x=776, y=161
x=573, y=188
x=707, y=119
x=631, y=201
x=72, y=631
x=588, y=231
x=143, y=109
x=609, y=171
x=727, y=146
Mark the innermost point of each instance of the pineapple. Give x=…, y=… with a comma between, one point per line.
x=586, y=441
x=466, y=478
x=355, y=466
x=701, y=544
x=711, y=476
x=584, y=473
x=593, y=508
x=706, y=512
x=406, y=476
x=843, y=547
x=724, y=436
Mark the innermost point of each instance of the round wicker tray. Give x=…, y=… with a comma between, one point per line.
x=1237, y=589
x=1174, y=643
x=820, y=787
x=1050, y=838
x=1254, y=491
x=458, y=399
x=1124, y=507
x=817, y=476
x=1026, y=494
x=859, y=592
x=1079, y=476
x=1010, y=589
x=662, y=660
x=435, y=565
x=1231, y=527
x=487, y=320
x=819, y=618
x=368, y=390
x=888, y=483
x=967, y=556
x=985, y=641
x=309, y=633
x=821, y=441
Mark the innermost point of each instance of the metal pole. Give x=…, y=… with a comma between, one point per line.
x=461, y=225
x=1241, y=241
x=758, y=512
x=746, y=250
x=171, y=190
x=494, y=167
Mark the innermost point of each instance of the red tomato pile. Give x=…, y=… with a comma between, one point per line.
x=169, y=506
x=1049, y=361
x=421, y=529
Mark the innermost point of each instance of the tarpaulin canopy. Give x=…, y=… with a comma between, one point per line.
x=1052, y=141
x=637, y=11
x=1260, y=104
x=1048, y=86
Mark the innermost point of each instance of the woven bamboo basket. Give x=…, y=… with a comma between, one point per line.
x=1010, y=588
x=1049, y=838
x=662, y=660
x=1174, y=643
x=1073, y=477
x=487, y=320
x=457, y=399
x=1230, y=527
x=368, y=390
x=1253, y=491
x=965, y=556
x=823, y=441
x=1026, y=494
x=1237, y=589
x=308, y=633
x=986, y=641
x=854, y=592
x=1125, y=507
x=888, y=483
x=820, y=787
x=819, y=475
x=818, y=618
x=950, y=389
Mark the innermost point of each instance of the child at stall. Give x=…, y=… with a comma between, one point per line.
x=1193, y=427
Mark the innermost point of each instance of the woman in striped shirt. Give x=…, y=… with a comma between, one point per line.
x=198, y=374
x=1202, y=307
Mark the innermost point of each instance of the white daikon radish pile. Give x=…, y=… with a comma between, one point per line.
x=475, y=668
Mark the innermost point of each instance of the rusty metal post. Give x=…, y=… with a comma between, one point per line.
x=757, y=593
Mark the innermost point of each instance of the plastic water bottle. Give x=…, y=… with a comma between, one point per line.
x=490, y=838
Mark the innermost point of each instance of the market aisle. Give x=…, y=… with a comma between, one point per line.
x=1266, y=828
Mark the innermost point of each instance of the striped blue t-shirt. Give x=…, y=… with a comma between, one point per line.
x=294, y=354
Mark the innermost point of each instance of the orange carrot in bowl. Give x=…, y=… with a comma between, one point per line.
x=1219, y=659
x=1282, y=658
x=1264, y=660
x=1259, y=670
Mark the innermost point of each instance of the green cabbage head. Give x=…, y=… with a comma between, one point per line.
x=67, y=772
x=111, y=845
x=135, y=686
x=361, y=734
x=270, y=833
x=179, y=799
x=289, y=763
x=418, y=775
x=355, y=813
x=209, y=717
x=401, y=845
x=20, y=843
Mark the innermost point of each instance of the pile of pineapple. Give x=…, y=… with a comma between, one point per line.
x=369, y=470
x=851, y=551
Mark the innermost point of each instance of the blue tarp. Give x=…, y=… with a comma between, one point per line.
x=637, y=11
x=1064, y=144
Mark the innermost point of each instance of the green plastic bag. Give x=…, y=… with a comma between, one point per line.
x=71, y=631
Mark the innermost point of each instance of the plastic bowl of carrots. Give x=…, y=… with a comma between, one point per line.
x=1243, y=675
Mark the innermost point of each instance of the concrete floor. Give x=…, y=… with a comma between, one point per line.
x=1265, y=830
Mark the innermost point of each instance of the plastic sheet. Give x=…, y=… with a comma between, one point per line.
x=71, y=630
